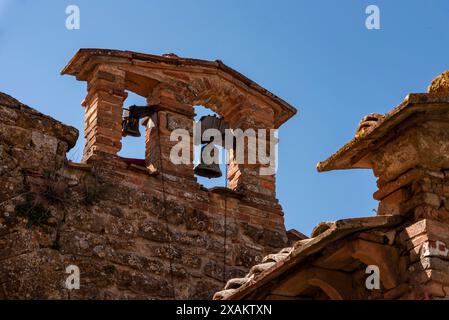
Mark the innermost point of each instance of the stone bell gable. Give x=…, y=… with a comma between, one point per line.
x=175, y=85
x=135, y=228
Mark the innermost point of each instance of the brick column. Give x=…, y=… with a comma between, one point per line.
x=412, y=172
x=414, y=182
x=247, y=177
x=103, y=111
x=170, y=115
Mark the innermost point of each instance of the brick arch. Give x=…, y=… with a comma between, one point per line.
x=329, y=289
x=336, y=285
x=234, y=104
x=384, y=257
x=217, y=94
x=239, y=109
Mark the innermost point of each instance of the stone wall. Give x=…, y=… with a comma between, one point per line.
x=407, y=242
x=132, y=234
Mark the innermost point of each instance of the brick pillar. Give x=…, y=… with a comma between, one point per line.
x=414, y=182
x=170, y=115
x=246, y=177
x=103, y=111
x=411, y=171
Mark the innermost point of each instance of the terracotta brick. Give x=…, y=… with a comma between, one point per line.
x=391, y=205
x=434, y=289
x=399, y=183
x=415, y=229
x=398, y=292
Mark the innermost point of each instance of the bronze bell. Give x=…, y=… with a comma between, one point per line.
x=130, y=124
x=213, y=122
x=131, y=117
x=208, y=170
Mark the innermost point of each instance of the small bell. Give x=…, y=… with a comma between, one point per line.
x=130, y=125
x=208, y=170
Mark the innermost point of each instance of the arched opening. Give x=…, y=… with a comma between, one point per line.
x=313, y=293
x=201, y=111
x=329, y=291
x=316, y=283
x=134, y=147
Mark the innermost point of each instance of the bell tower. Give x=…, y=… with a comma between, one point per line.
x=211, y=234
x=172, y=86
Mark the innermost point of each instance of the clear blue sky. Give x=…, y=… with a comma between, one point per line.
x=317, y=55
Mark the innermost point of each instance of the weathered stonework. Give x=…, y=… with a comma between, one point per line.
x=145, y=229
x=136, y=230
x=408, y=150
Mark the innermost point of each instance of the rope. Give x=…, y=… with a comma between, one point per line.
x=164, y=199
x=225, y=222
x=225, y=209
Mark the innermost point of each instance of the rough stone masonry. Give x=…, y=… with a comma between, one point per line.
x=137, y=229
x=405, y=246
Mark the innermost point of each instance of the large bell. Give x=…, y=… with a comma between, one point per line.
x=208, y=170
x=213, y=122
